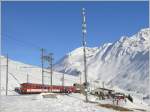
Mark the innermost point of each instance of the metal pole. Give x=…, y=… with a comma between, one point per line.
x=80, y=79
x=27, y=78
x=63, y=76
x=7, y=76
x=80, y=83
x=103, y=84
x=84, y=50
x=42, y=63
x=51, y=69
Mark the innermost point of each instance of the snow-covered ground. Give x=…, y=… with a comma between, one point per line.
x=63, y=103
x=35, y=103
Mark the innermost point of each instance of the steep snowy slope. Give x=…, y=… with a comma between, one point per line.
x=74, y=60
x=18, y=74
x=75, y=102
x=124, y=63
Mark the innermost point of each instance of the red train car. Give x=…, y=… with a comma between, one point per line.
x=32, y=88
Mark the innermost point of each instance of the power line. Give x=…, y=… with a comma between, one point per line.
x=28, y=46
x=14, y=77
x=22, y=43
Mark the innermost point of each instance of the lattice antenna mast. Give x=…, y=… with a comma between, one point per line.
x=84, y=49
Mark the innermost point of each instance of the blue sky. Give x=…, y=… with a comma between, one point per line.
x=56, y=26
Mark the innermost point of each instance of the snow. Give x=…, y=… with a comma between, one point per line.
x=124, y=63
x=121, y=66
x=18, y=75
x=64, y=103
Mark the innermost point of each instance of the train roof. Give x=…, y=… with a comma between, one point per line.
x=40, y=84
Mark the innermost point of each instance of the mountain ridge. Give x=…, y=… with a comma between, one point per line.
x=123, y=63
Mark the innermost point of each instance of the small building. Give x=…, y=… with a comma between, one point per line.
x=103, y=90
x=102, y=93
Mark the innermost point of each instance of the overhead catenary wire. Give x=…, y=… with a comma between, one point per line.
x=27, y=46
x=14, y=77
x=21, y=42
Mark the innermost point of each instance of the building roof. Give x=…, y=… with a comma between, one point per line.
x=105, y=89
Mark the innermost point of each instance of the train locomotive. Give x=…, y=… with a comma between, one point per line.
x=33, y=88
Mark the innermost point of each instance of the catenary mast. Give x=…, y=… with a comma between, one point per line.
x=42, y=64
x=7, y=76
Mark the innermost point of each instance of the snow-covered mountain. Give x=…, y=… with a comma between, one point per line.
x=124, y=63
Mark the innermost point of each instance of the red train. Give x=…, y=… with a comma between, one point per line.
x=30, y=88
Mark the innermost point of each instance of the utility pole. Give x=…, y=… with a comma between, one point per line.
x=80, y=79
x=84, y=49
x=51, y=68
x=63, y=78
x=103, y=83
x=80, y=82
x=49, y=59
x=7, y=75
x=27, y=78
x=42, y=64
